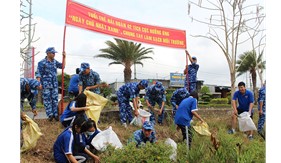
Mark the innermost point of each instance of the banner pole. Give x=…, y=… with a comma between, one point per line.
x=186, y=76
x=62, y=74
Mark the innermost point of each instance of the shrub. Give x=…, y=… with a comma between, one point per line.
x=219, y=101
x=158, y=152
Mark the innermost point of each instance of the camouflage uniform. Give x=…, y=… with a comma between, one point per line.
x=93, y=78
x=31, y=96
x=177, y=97
x=139, y=137
x=47, y=72
x=125, y=92
x=192, y=77
x=262, y=93
x=156, y=94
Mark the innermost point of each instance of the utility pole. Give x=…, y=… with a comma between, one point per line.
x=135, y=71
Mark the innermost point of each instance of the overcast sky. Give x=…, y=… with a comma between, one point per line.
x=82, y=45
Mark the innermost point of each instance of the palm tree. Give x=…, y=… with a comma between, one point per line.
x=125, y=53
x=249, y=61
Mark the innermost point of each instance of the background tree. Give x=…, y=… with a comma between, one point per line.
x=229, y=23
x=27, y=31
x=125, y=53
x=249, y=61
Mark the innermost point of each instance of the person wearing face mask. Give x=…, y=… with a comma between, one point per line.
x=191, y=73
x=46, y=74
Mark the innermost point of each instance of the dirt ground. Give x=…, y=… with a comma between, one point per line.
x=43, y=152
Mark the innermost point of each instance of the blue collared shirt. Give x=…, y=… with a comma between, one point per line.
x=47, y=72
x=91, y=79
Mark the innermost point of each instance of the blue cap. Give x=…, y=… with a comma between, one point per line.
x=147, y=125
x=158, y=86
x=194, y=58
x=144, y=83
x=84, y=66
x=33, y=84
x=183, y=92
x=51, y=50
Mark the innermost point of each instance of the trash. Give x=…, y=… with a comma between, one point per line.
x=143, y=116
x=104, y=138
x=171, y=142
x=202, y=128
x=245, y=122
x=30, y=134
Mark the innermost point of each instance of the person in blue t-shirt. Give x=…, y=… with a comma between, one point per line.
x=90, y=131
x=177, y=97
x=245, y=100
x=73, y=89
x=184, y=114
x=76, y=107
x=66, y=147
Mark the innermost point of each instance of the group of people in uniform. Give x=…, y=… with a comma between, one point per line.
x=184, y=104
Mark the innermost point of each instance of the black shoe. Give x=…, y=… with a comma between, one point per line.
x=50, y=118
x=57, y=118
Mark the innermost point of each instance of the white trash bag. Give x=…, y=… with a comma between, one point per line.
x=245, y=122
x=172, y=143
x=104, y=138
x=143, y=116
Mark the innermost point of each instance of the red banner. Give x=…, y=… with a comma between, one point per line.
x=88, y=18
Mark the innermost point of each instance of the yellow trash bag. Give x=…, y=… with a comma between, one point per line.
x=202, y=128
x=30, y=134
x=96, y=103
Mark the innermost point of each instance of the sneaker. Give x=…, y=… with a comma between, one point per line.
x=125, y=125
x=160, y=124
x=57, y=118
x=250, y=137
x=231, y=131
x=50, y=118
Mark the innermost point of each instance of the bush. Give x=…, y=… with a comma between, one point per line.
x=219, y=101
x=158, y=152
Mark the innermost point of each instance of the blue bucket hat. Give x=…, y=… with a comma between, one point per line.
x=84, y=66
x=33, y=84
x=147, y=125
x=158, y=86
x=143, y=83
x=194, y=58
x=183, y=92
x=51, y=50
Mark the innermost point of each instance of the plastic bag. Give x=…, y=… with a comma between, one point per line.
x=202, y=128
x=143, y=116
x=96, y=103
x=104, y=138
x=30, y=134
x=172, y=143
x=245, y=122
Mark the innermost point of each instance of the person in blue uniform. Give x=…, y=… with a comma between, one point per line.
x=76, y=107
x=73, y=89
x=47, y=74
x=245, y=100
x=144, y=135
x=156, y=94
x=28, y=90
x=184, y=114
x=67, y=147
x=191, y=73
x=124, y=94
x=262, y=110
x=89, y=79
x=177, y=97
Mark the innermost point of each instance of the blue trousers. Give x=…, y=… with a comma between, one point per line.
x=125, y=111
x=50, y=100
